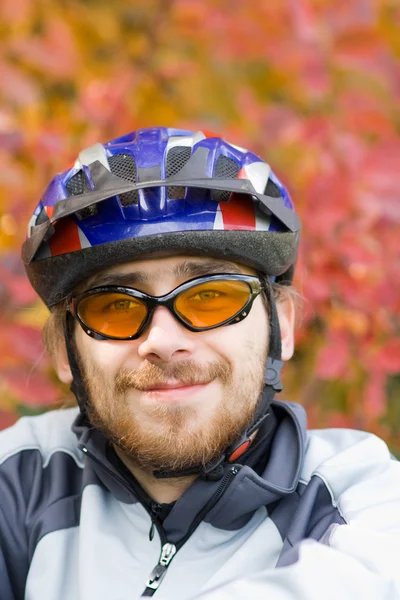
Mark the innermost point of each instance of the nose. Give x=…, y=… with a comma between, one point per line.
x=165, y=339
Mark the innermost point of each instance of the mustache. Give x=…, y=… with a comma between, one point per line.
x=186, y=373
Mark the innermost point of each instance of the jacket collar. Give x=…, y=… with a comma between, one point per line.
x=238, y=501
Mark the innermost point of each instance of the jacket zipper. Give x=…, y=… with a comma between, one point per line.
x=168, y=550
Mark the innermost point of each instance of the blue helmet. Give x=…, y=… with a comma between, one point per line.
x=159, y=191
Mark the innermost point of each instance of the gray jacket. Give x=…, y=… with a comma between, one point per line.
x=323, y=520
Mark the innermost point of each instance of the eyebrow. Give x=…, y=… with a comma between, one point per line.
x=187, y=269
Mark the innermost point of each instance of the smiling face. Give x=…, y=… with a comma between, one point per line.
x=173, y=398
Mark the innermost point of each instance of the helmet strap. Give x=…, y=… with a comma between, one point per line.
x=77, y=385
x=272, y=382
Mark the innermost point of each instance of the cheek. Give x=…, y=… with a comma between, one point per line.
x=107, y=355
x=243, y=342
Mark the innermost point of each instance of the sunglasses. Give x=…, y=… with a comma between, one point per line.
x=116, y=312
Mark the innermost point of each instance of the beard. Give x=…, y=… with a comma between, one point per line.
x=166, y=436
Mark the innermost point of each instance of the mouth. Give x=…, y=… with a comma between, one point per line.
x=174, y=392
x=170, y=385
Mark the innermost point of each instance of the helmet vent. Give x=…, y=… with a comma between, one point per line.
x=272, y=190
x=77, y=185
x=177, y=158
x=225, y=168
x=124, y=166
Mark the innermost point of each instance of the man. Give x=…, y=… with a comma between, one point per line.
x=166, y=259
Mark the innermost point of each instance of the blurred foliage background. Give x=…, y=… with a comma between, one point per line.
x=313, y=86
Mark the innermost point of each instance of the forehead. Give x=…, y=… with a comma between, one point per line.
x=177, y=268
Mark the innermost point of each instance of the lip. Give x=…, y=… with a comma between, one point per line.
x=170, y=385
x=175, y=393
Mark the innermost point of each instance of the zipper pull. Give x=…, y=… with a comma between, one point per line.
x=151, y=532
x=155, y=509
x=168, y=552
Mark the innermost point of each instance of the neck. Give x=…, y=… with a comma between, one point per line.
x=160, y=490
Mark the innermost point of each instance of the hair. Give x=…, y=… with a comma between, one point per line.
x=54, y=329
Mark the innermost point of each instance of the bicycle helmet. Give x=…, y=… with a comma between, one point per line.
x=159, y=190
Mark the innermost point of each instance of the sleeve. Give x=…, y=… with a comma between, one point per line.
x=357, y=559
x=323, y=572
x=16, y=473
x=10, y=590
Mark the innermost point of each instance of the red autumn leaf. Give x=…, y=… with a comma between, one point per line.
x=359, y=40
x=303, y=19
x=23, y=341
x=388, y=357
x=18, y=287
x=334, y=358
x=282, y=124
x=7, y=419
x=361, y=113
x=315, y=74
x=344, y=14
x=317, y=289
x=53, y=51
x=31, y=387
x=103, y=101
x=379, y=181
x=327, y=209
x=316, y=131
x=340, y=420
x=374, y=396
x=17, y=86
x=16, y=12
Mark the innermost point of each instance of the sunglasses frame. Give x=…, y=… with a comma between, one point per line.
x=256, y=286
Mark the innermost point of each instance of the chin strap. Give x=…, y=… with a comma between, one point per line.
x=213, y=470
x=77, y=385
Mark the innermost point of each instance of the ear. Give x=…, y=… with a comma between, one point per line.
x=286, y=314
x=61, y=365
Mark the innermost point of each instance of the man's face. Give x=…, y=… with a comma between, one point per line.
x=174, y=398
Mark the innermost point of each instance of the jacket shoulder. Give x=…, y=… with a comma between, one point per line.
x=48, y=433
x=327, y=449
x=358, y=470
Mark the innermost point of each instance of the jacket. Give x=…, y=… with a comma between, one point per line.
x=321, y=521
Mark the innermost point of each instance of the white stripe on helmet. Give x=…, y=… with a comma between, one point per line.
x=90, y=155
x=258, y=174
x=184, y=140
x=218, y=220
x=83, y=239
